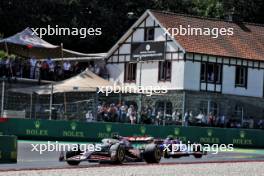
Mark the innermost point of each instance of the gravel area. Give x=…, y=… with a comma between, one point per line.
x=206, y=169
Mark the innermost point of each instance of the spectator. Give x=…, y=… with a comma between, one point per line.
x=67, y=69
x=96, y=69
x=191, y=118
x=260, y=124
x=16, y=67
x=89, y=116
x=26, y=69
x=8, y=66
x=91, y=68
x=123, y=112
x=251, y=122
x=58, y=72
x=150, y=113
x=176, y=117
x=112, y=113
x=200, y=117
x=49, y=61
x=37, y=70
x=222, y=120
x=131, y=113
x=51, y=71
x=44, y=70
x=33, y=62
x=186, y=118
x=210, y=119
x=77, y=69
x=159, y=117
x=145, y=117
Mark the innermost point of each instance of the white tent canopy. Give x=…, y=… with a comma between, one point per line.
x=84, y=82
x=27, y=44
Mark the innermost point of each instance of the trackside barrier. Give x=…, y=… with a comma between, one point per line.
x=8, y=149
x=94, y=131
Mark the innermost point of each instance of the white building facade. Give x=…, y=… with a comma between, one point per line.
x=223, y=84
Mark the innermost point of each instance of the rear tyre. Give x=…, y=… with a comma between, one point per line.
x=117, y=153
x=166, y=155
x=70, y=154
x=152, y=154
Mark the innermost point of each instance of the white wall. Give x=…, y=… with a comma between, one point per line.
x=186, y=75
x=138, y=35
x=192, y=75
x=254, y=85
x=149, y=75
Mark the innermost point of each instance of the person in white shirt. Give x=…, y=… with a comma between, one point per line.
x=200, y=117
x=32, y=62
x=66, y=69
x=37, y=70
x=89, y=116
x=131, y=113
x=51, y=71
x=96, y=69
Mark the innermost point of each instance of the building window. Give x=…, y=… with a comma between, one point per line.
x=241, y=76
x=211, y=73
x=204, y=107
x=149, y=34
x=239, y=112
x=162, y=106
x=164, y=70
x=203, y=72
x=130, y=72
x=213, y=108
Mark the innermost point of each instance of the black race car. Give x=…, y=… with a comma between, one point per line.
x=116, y=150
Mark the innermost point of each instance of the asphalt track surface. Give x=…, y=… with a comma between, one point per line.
x=32, y=160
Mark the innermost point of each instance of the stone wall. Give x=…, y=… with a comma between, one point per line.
x=227, y=104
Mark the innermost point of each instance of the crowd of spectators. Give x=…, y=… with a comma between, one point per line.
x=124, y=113
x=46, y=69
x=49, y=69
x=117, y=113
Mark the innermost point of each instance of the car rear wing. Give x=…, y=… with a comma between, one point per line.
x=140, y=139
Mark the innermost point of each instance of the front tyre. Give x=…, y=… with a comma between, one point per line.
x=197, y=155
x=70, y=154
x=197, y=149
x=117, y=153
x=152, y=154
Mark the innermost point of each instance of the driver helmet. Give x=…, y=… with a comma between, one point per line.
x=170, y=137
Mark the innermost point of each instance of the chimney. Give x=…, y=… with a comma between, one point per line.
x=232, y=16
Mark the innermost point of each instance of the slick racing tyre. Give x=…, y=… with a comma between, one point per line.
x=166, y=154
x=70, y=154
x=197, y=155
x=152, y=154
x=197, y=151
x=117, y=153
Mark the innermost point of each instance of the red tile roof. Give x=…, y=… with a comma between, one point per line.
x=247, y=42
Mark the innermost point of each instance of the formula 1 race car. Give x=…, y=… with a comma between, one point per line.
x=174, y=148
x=115, y=150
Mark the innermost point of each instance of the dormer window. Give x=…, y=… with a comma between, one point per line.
x=149, y=34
